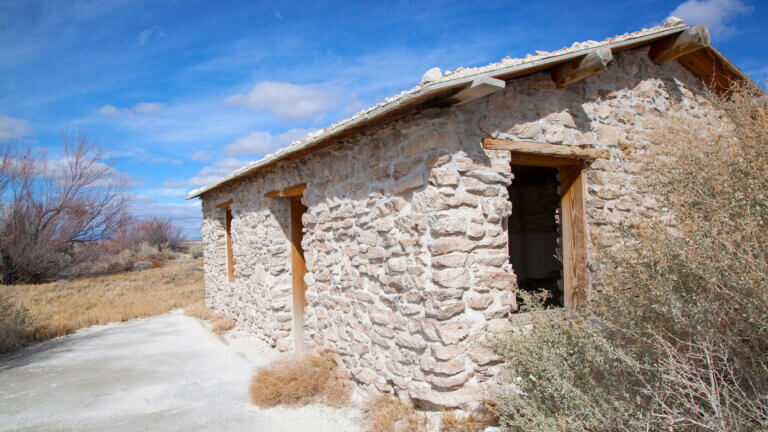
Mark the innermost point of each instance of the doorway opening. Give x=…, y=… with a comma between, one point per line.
x=533, y=228
x=299, y=269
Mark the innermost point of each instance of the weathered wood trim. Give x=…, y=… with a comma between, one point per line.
x=482, y=86
x=581, y=68
x=546, y=150
x=291, y=191
x=672, y=47
x=574, y=235
x=225, y=204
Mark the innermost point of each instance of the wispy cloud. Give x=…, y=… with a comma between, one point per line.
x=164, y=160
x=717, y=15
x=200, y=156
x=141, y=108
x=214, y=172
x=12, y=128
x=186, y=214
x=263, y=143
x=150, y=34
x=286, y=101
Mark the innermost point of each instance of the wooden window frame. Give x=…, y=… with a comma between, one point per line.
x=228, y=233
x=569, y=161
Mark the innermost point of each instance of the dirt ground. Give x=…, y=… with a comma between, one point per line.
x=163, y=373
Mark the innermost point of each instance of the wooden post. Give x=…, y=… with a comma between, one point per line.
x=581, y=68
x=299, y=269
x=573, y=208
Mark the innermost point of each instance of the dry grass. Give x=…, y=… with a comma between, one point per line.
x=470, y=423
x=60, y=308
x=389, y=414
x=299, y=381
x=219, y=323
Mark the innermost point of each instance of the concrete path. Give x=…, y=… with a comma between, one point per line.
x=165, y=373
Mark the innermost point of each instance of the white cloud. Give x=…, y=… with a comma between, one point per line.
x=188, y=214
x=715, y=14
x=140, y=109
x=263, y=143
x=11, y=128
x=164, y=160
x=152, y=33
x=218, y=170
x=285, y=100
x=200, y=156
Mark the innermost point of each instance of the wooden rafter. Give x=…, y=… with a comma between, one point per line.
x=291, y=191
x=583, y=67
x=672, y=47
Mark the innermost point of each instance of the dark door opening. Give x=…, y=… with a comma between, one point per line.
x=533, y=231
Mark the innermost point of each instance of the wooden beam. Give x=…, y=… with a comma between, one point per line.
x=672, y=47
x=224, y=204
x=543, y=161
x=547, y=150
x=482, y=86
x=586, y=66
x=291, y=191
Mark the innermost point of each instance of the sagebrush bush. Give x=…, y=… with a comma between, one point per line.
x=677, y=336
x=390, y=414
x=299, y=381
x=14, y=323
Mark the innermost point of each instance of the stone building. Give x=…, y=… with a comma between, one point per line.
x=400, y=237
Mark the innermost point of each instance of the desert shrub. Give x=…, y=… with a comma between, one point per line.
x=300, y=380
x=389, y=414
x=53, y=213
x=676, y=338
x=14, y=324
x=470, y=422
x=195, y=250
x=221, y=324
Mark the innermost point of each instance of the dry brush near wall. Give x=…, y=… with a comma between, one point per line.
x=405, y=240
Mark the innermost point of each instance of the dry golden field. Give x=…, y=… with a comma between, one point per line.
x=62, y=307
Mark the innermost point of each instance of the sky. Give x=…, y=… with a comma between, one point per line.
x=184, y=92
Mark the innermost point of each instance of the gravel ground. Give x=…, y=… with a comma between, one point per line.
x=164, y=373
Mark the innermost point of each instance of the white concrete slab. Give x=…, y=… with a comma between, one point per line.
x=165, y=373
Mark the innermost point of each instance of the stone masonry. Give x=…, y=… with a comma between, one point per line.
x=406, y=241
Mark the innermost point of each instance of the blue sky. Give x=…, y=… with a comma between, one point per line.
x=183, y=92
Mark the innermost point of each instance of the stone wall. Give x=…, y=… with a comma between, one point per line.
x=406, y=242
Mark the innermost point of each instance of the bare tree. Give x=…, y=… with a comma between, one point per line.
x=54, y=211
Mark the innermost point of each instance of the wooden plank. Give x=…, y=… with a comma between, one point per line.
x=230, y=255
x=713, y=69
x=298, y=269
x=543, y=161
x=291, y=191
x=573, y=208
x=225, y=204
x=542, y=149
x=588, y=65
x=672, y=47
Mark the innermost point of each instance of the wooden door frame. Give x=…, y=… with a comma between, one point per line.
x=569, y=161
x=298, y=265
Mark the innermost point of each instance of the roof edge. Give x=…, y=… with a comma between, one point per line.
x=411, y=99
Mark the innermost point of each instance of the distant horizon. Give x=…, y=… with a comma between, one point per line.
x=183, y=94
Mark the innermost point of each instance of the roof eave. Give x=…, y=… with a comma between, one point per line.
x=440, y=90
